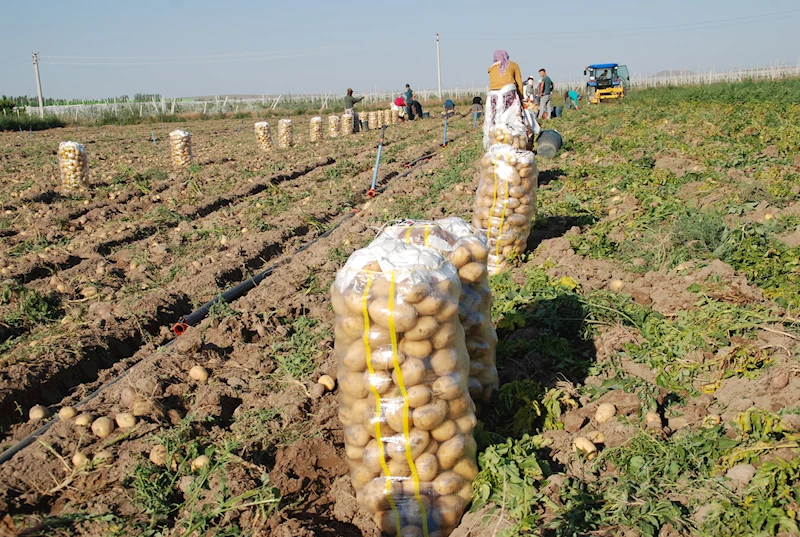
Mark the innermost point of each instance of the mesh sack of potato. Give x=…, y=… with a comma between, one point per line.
x=349, y=122
x=285, y=134
x=373, y=120
x=74, y=164
x=505, y=202
x=404, y=404
x=387, y=117
x=467, y=250
x=315, y=134
x=181, y=144
x=511, y=135
x=263, y=136
x=394, y=114
x=334, y=126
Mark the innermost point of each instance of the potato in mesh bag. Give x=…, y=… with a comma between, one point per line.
x=467, y=250
x=285, y=134
x=315, y=134
x=505, y=202
x=263, y=136
x=73, y=162
x=406, y=410
x=333, y=126
x=181, y=145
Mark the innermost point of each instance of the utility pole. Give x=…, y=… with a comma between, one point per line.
x=38, y=83
x=439, y=66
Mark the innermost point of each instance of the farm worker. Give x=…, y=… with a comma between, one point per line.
x=477, y=108
x=409, y=96
x=571, y=99
x=449, y=107
x=415, y=107
x=504, y=100
x=399, y=107
x=604, y=74
x=547, y=90
x=529, y=91
x=350, y=101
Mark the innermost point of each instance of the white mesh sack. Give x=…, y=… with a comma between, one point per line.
x=505, y=202
x=74, y=164
x=408, y=420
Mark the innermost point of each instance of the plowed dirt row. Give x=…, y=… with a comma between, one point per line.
x=296, y=290
x=144, y=272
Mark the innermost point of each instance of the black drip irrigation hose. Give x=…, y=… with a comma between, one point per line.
x=199, y=314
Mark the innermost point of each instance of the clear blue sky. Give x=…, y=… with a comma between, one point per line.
x=188, y=48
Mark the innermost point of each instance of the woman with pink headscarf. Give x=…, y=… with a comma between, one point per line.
x=504, y=100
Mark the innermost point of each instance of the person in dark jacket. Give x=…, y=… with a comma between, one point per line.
x=350, y=101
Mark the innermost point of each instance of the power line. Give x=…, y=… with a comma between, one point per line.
x=778, y=15
x=207, y=56
x=188, y=62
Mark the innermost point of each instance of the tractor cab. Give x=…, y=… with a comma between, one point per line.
x=607, y=81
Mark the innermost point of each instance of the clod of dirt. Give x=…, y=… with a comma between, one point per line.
x=573, y=422
x=779, y=380
x=142, y=407
x=317, y=391
x=127, y=396
x=740, y=476
x=38, y=412
x=186, y=483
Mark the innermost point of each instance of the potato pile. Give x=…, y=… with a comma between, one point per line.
x=333, y=126
x=315, y=134
x=505, y=202
x=467, y=250
x=403, y=368
x=514, y=137
x=373, y=119
x=264, y=136
x=181, y=148
x=285, y=134
x=349, y=122
x=74, y=164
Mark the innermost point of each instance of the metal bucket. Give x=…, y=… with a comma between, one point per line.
x=364, y=125
x=549, y=142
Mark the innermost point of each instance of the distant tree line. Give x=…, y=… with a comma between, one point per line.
x=21, y=101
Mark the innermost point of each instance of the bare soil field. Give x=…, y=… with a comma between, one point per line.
x=660, y=278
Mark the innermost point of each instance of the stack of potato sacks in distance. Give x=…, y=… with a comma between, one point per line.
x=404, y=373
x=505, y=202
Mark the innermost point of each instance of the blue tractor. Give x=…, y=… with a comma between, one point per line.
x=607, y=81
